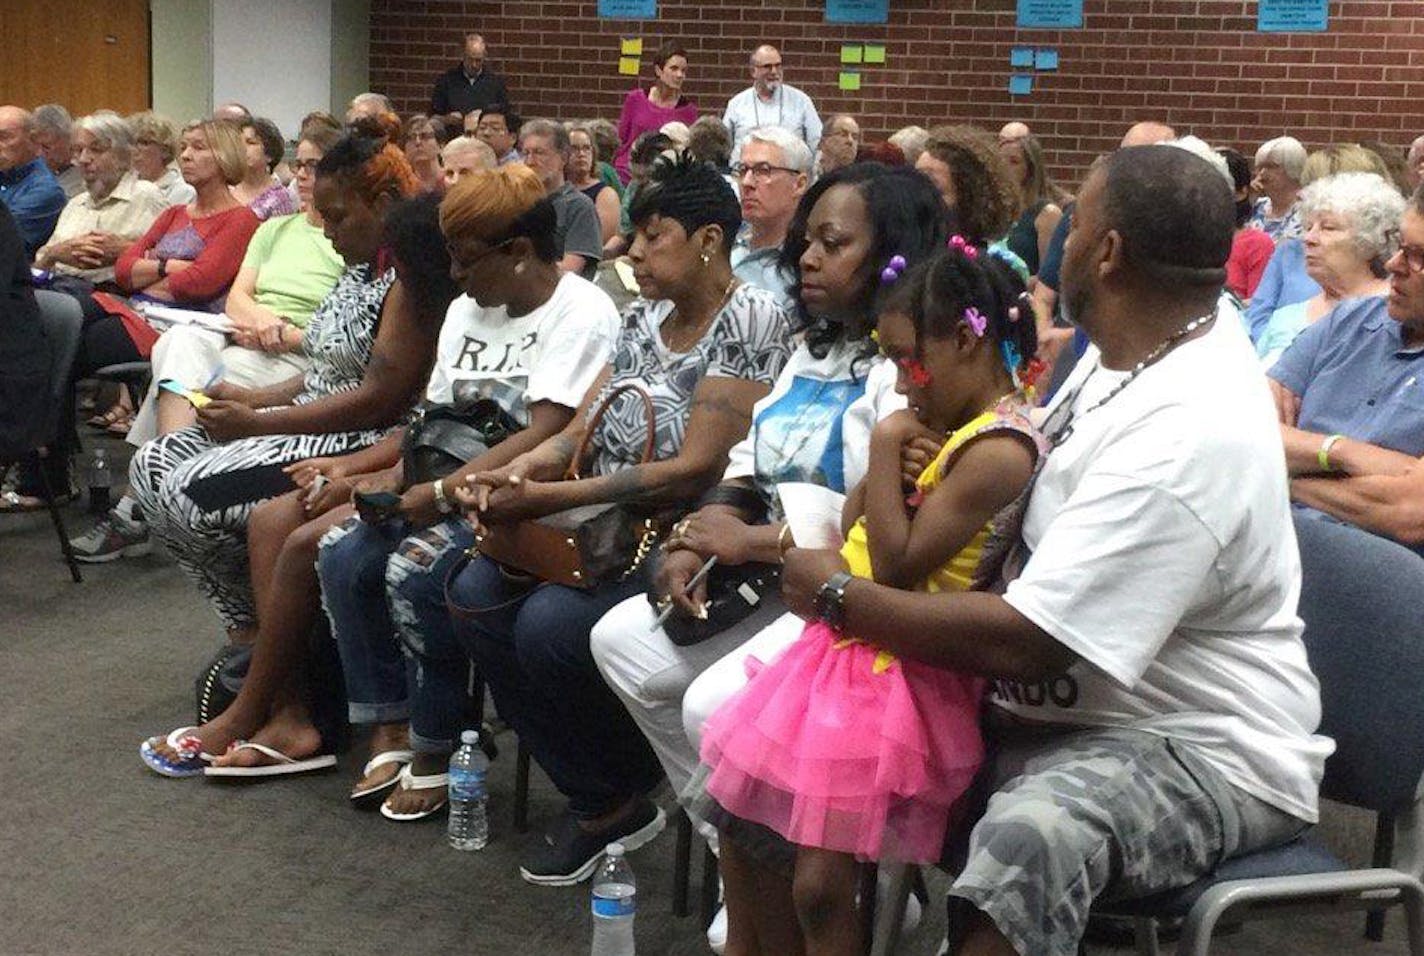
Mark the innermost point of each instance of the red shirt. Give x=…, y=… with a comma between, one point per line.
x=1251, y=249
x=214, y=244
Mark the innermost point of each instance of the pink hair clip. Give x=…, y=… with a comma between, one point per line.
x=976, y=321
x=957, y=241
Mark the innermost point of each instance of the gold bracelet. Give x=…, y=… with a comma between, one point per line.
x=784, y=542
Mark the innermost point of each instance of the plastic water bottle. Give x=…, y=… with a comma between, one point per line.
x=101, y=480
x=469, y=795
x=615, y=903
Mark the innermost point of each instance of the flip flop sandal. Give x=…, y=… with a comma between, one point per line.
x=364, y=796
x=14, y=503
x=120, y=427
x=282, y=766
x=104, y=420
x=410, y=781
x=191, y=758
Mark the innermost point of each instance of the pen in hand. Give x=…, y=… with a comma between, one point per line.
x=697, y=579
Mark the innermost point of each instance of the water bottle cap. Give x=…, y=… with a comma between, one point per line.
x=614, y=849
x=469, y=737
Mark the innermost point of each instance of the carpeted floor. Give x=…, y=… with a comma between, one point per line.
x=100, y=856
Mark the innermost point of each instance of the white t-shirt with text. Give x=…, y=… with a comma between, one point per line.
x=1163, y=554
x=552, y=354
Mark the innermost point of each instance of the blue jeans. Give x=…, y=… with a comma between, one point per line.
x=533, y=653
x=384, y=592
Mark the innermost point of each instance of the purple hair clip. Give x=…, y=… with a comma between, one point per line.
x=976, y=321
x=892, y=269
x=957, y=241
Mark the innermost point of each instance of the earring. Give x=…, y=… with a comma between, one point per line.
x=706, y=259
x=519, y=268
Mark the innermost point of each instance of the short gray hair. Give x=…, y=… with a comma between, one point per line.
x=1286, y=152
x=111, y=128
x=379, y=99
x=53, y=118
x=795, y=154
x=911, y=140
x=1369, y=202
x=546, y=127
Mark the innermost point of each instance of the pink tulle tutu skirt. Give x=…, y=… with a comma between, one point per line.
x=833, y=750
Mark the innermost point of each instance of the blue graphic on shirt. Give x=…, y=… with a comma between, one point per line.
x=798, y=437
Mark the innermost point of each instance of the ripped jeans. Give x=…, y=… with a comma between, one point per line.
x=383, y=589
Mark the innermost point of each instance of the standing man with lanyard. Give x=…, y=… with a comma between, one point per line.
x=468, y=87
x=771, y=102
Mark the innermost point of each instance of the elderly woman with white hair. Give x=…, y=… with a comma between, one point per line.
x=1279, y=164
x=155, y=156
x=1351, y=228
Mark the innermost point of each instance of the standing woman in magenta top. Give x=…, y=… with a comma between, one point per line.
x=645, y=110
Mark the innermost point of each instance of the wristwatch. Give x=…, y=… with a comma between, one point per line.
x=162, y=267
x=442, y=503
x=830, y=600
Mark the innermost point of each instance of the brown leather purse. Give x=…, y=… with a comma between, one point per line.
x=586, y=546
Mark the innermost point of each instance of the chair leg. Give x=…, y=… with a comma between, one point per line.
x=1382, y=858
x=1144, y=935
x=521, y=789
x=682, y=865
x=1413, y=902
x=869, y=897
x=885, y=933
x=58, y=521
x=711, y=883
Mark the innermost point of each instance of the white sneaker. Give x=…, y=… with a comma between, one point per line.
x=112, y=538
x=717, y=932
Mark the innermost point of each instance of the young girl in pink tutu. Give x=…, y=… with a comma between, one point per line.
x=838, y=747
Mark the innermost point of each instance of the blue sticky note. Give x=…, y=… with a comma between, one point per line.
x=1021, y=84
x=1292, y=16
x=628, y=9
x=1021, y=56
x=857, y=11
x=1050, y=14
x=1045, y=60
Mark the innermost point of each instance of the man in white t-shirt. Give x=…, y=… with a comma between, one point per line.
x=771, y=101
x=1154, y=707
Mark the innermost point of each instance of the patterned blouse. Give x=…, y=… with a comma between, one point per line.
x=750, y=339
x=342, y=331
x=277, y=200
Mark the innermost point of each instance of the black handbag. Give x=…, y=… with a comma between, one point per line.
x=442, y=438
x=734, y=593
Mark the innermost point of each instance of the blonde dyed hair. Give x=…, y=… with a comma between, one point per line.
x=225, y=140
x=485, y=204
x=1342, y=158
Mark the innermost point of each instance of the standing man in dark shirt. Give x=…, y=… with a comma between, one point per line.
x=469, y=86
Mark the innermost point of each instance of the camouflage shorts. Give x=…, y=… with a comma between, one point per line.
x=1110, y=813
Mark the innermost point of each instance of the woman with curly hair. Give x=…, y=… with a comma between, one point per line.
x=964, y=164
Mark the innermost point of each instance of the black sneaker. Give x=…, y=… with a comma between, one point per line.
x=570, y=854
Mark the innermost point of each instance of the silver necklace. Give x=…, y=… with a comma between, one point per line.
x=756, y=106
x=1060, y=435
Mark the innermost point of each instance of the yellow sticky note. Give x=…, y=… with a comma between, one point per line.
x=850, y=81
x=633, y=47
x=874, y=53
x=628, y=65
x=851, y=53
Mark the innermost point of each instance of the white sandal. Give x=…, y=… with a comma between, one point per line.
x=411, y=781
x=382, y=759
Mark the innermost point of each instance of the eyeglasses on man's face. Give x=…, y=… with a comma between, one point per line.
x=760, y=171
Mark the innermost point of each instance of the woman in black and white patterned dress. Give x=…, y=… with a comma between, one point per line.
x=370, y=344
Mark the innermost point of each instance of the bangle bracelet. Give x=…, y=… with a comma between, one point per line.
x=442, y=503
x=1322, y=456
x=784, y=541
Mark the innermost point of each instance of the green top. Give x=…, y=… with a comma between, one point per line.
x=296, y=266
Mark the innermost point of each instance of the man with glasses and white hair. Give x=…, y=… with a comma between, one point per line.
x=544, y=145
x=772, y=174
x=770, y=101
x=115, y=208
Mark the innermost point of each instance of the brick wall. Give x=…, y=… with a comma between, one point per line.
x=1198, y=64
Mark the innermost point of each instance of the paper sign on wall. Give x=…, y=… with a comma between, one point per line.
x=857, y=11
x=632, y=47
x=628, y=65
x=628, y=9
x=1292, y=16
x=849, y=81
x=1020, y=84
x=874, y=53
x=1021, y=56
x=1050, y=14
x=1045, y=60
x=852, y=53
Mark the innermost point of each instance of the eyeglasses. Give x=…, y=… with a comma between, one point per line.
x=760, y=171
x=467, y=262
x=769, y=66
x=305, y=165
x=1413, y=257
